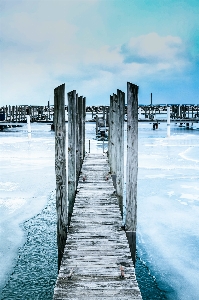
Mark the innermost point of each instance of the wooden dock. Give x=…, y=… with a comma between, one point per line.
x=96, y=263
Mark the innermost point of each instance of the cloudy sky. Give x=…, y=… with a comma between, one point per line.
x=96, y=46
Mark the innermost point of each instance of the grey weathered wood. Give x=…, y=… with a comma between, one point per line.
x=24, y=113
x=84, y=128
x=132, y=165
x=120, y=148
x=96, y=124
x=60, y=169
x=107, y=116
x=77, y=141
x=103, y=112
x=80, y=112
x=114, y=134
x=96, y=247
x=110, y=134
x=13, y=113
x=71, y=151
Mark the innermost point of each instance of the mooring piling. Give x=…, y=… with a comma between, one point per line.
x=120, y=148
x=60, y=169
x=168, y=121
x=76, y=144
x=132, y=166
x=71, y=151
x=83, y=125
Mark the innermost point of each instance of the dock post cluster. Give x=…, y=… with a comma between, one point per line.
x=18, y=113
x=116, y=155
x=76, y=144
x=66, y=183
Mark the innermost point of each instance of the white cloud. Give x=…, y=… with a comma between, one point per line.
x=152, y=48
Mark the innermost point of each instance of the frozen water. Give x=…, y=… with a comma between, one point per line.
x=26, y=179
x=168, y=201
x=168, y=210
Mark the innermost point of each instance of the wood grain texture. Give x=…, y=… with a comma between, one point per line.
x=71, y=151
x=96, y=247
x=132, y=157
x=132, y=165
x=60, y=169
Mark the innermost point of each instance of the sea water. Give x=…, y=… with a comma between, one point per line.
x=168, y=212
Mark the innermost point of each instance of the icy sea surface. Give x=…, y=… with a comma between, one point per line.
x=168, y=212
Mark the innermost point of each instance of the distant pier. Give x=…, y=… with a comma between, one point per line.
x=185, y=113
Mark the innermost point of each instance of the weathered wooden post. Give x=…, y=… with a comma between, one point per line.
x=120, y=148
x=103, y=115
x=49, y=110
x=168, y=121
x=96, y=118
x=77, y=140
x=114, y=134
x=132, y=166
x=71, y=152
x=107, y=116
x=6, y=113
x=60, y=169
x=80, y=112
x=110, y=144
x=12, y=113
x=84, y=126
x=24, y=112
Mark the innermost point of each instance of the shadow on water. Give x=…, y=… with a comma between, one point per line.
x=35, y=273
x=147, y=283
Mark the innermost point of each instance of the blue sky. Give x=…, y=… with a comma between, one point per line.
x=96, y=46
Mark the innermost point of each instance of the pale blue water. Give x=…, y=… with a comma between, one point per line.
x=168, y=212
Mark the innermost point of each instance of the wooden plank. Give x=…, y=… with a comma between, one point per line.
x=96, y=246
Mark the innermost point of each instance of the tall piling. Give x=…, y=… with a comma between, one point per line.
x=60, y=169
x=168, y=121
x=71, y=151
x=96, y=118
x=132, y=166
x=110, y=145
x=120, y=147
x=84, y=124
x=114, y=134
x=80, y=112
x=77, y=141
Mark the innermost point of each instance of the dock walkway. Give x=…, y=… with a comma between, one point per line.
x=96, y=248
